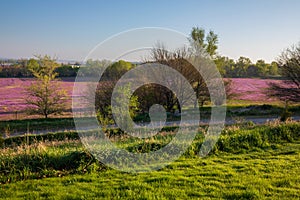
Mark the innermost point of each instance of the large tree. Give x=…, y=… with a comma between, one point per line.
x=44, y=95
x=207, y=42
x=179, y=60
x=289, y=68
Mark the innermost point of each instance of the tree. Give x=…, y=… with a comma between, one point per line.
x=262, y=67
x=289, y=68
x=241, y=66
x=207, y=43
x=225, y=65
x=273, y=69
x=44, y=95
x=289, y=64
x=178, y=61
x=105, y=86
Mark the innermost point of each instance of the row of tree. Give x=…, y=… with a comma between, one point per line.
x=46, y=98
x=243, y=67
x=199, y=40
x=19, y=69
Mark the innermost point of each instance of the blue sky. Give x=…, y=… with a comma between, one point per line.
x=69, y=29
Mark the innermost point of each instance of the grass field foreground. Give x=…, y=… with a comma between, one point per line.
x=247, y=163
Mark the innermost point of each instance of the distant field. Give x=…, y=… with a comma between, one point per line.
x=12, y=92
x=252, y=89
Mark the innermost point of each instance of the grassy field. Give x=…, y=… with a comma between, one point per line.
x=273, y=174
x=249, y=162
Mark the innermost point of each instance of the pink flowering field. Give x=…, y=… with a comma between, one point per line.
x=252, y=89
x=12, y=91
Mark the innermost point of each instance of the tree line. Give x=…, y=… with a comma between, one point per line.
x=19, y=69
x=244, y=68
x=199, y=41
x=45, y=96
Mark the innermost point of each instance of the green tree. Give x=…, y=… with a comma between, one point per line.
x=208, y=42
x=105, y=87
x=262, y=67
x=104, y=113
x=273, y=69
x=116, y=70
x=241, y=66
x=225, y=65
x=44, y=95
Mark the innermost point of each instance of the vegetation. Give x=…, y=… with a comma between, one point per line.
x=10, y=68
x=257, y=175
x=235, y=109
x=289, y=63
x=208, y=42
x=248, y=162
x=44, y=95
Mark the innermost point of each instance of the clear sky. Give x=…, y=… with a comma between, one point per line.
x=69, y=29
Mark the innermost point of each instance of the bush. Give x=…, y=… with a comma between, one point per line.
x=285, y=115
x=260, y=137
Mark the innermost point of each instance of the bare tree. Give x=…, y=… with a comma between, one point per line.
x=178, y=60
x=289, y=67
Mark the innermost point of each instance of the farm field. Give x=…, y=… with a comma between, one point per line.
x=12, y=94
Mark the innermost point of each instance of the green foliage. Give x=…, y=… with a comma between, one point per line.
x=42, y=160
x=200, y=41
x=122, y=94
x=43, y=68
x=237, y=140
x=67, y=71
x=243, y=67
x=45, y=96
x=268, y=174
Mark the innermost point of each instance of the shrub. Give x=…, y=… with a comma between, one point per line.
x=260, y=137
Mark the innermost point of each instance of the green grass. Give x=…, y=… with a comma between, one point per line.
x=268, y=174
x=248, y=162
x=30, y=125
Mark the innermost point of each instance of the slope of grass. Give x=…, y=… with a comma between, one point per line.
x=269, y=174
x=248, y=162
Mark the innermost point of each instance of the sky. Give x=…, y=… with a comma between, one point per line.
x=70, y=29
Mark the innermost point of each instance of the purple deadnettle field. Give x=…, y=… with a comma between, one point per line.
x=13, y=93
x=251, y=89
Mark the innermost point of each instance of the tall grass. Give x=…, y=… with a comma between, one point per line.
x=45, y=159
x=33, y=159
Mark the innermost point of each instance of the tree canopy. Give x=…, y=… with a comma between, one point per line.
x=44, y=95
